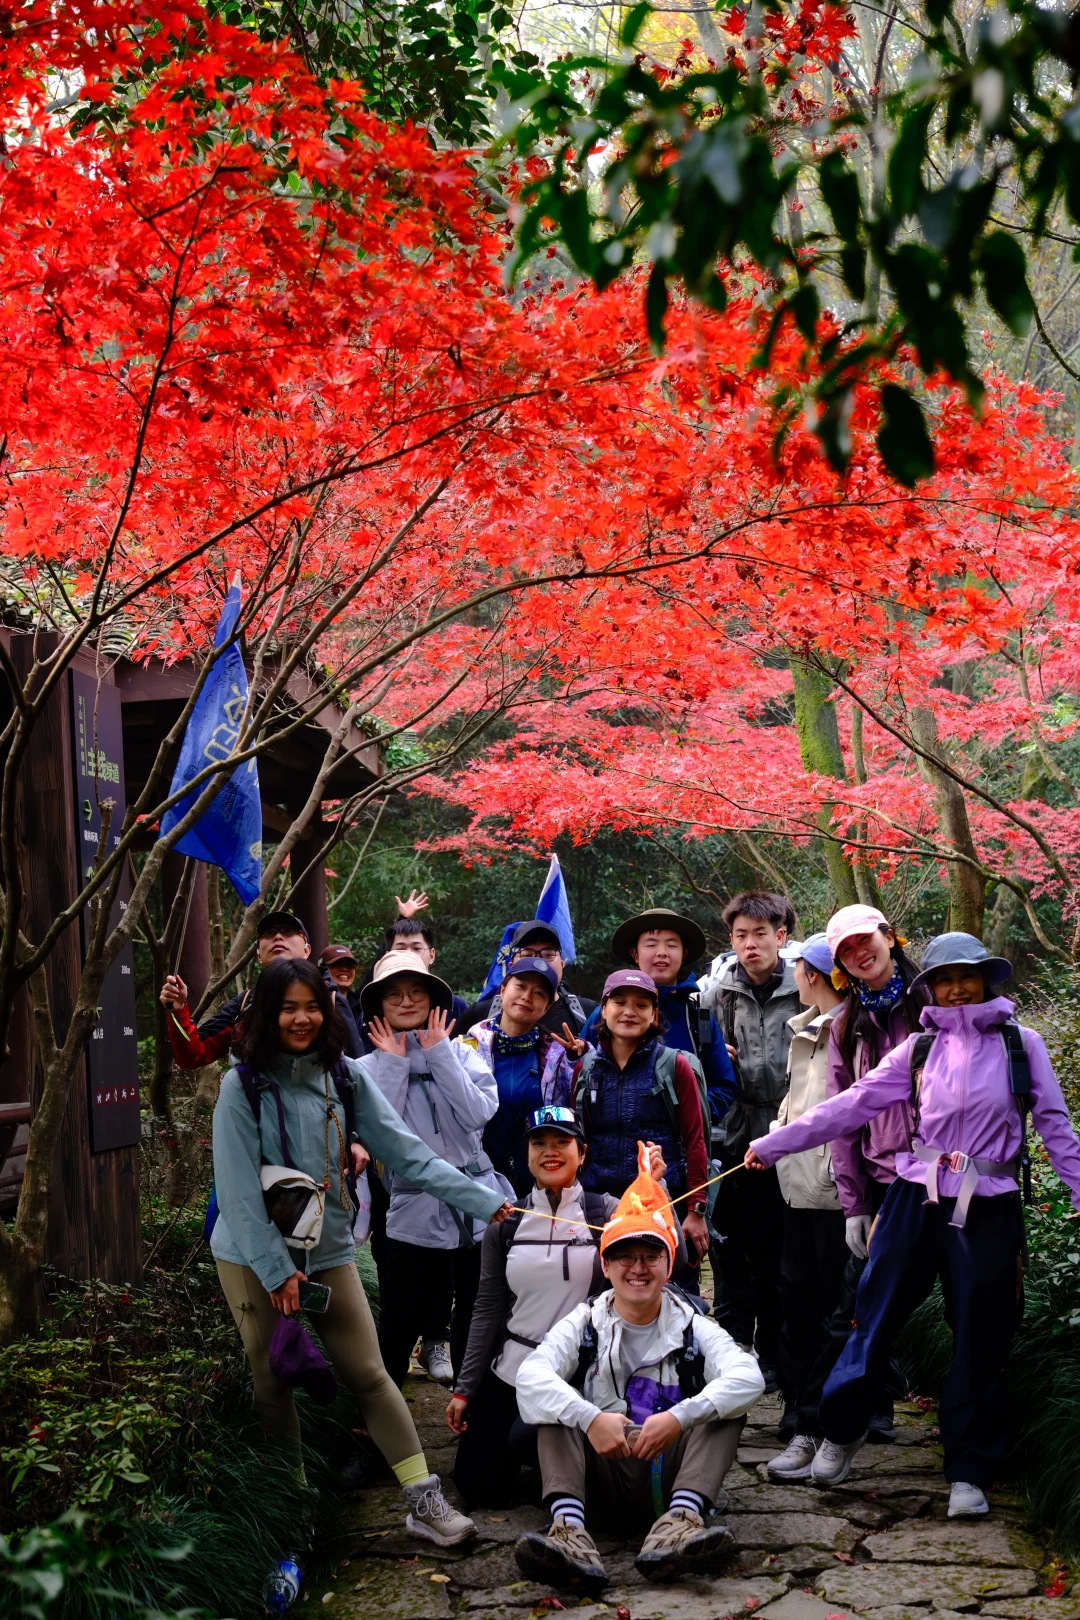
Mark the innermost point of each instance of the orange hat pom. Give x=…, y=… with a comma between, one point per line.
x=644, y=1210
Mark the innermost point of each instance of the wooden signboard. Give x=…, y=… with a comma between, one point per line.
x=113, y=1054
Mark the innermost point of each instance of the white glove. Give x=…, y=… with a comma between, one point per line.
x=857, y=1234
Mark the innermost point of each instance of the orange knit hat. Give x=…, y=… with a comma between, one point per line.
x=643, y=1211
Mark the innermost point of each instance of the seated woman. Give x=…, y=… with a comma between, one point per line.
x=534, y=1270
x=529, y=1063
x=295, y=1101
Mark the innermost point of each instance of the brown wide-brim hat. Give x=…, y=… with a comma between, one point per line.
x=393, y=966
x=628, y=933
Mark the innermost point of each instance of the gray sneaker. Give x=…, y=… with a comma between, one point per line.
x=435, y=1360
x=565, y=1557
x=832, y=1464
x=967, y=1501
x=796, y=1461
x=432, y=1517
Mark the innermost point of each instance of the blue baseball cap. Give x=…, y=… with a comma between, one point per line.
x=815, y=953
x=537, y=965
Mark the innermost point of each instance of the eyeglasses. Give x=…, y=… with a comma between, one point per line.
x=652, y=1256
x=546, y=953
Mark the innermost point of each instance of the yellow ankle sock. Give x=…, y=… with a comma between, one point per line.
x=412, y=1470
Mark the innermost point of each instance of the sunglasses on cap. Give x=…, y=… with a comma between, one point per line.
x=552, y=1117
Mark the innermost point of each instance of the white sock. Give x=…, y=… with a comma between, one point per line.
x=570, y=1508
x=692, y=1501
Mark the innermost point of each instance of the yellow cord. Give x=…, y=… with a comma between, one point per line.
x=568, y=1220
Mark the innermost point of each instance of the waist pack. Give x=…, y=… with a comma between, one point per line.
x=297, y=1205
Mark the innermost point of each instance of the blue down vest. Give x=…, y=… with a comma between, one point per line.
x=621, y=1109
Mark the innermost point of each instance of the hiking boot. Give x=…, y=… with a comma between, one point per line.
x=435, y=1359
x=432, y=1517
x=832, y=1463
x=680, y=1543
x=967, y=1501
x=795, y=1462
x=565, y=1557
x=881, y=1430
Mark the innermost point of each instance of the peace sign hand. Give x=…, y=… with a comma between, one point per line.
x=570, y=1042
x=385, y=1039
x=439, y=1026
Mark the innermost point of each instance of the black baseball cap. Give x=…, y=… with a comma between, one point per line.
x=554, y=1117
x=280, y=922
x=536, y=930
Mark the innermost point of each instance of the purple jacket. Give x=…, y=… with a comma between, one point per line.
x=966, y=1104
x=869, y=1153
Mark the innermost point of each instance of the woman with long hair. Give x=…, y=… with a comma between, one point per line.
x=294, y=1103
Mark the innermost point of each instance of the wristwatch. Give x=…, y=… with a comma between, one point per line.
x=698, y=1207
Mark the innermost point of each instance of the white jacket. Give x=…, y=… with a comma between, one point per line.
x=733, y=1377
x=445, y=1094
x=806, y=1179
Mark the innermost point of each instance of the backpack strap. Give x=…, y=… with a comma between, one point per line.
x=920, y=1051
x=253, y=1090
x=696, y=1015
x=1016, y=1055
x=581, y=1084
x=664, y=1074
x=587, y=1352
x=595, y=1214
x=690, y=1363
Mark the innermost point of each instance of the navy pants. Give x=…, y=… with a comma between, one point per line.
x=811, y=1282
x=980, y=1268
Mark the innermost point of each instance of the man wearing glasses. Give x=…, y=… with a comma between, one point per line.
x=538, y=939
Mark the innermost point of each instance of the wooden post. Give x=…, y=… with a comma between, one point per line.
x=309, y=898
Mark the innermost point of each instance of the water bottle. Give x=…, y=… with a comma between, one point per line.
x=283, y=1588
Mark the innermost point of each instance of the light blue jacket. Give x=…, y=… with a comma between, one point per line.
x=244, y=1234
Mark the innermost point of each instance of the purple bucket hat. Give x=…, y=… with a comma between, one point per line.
x=296, y=1360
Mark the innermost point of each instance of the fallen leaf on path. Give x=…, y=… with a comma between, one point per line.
x=440, y=1580
x=844, y=1558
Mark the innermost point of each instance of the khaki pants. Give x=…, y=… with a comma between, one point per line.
x=348, y=1336
x=618, y=1489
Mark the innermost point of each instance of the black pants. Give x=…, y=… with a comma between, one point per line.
x=812, y=1268
x=418, y=1285
x=435, y=1323
x=495, y=1446
x=749, y=1216
x=981, y=1262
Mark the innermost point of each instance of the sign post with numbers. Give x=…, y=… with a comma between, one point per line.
x=112, y=1058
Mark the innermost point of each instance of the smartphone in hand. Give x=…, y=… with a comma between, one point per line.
x=314, y=1297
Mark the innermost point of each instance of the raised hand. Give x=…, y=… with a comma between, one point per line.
x=439, y=1025
x=571, y=1043
x=657, y=1162
x=417, y=901
x=385, y=1039
x=174, y=992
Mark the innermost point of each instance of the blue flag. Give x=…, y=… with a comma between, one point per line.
x=499, y=962
x=229, y=832
x=553, y=907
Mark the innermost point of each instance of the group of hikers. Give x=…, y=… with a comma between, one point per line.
x=543, y=1177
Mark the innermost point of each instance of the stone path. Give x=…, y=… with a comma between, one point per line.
x=879, y=1546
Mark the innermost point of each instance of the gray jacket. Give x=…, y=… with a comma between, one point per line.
x=445, y=1094
x=244, y=1234
x=762, y=1036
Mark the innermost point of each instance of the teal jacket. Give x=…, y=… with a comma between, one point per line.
x=244, y=1233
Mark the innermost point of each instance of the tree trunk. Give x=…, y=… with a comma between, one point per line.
x=967, y=887
x=819, y=746
x=20, y=1289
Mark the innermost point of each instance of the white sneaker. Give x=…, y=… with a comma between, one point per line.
x=832, y=1463
x=794, y=1463
x=435, y=1360
x=432, y=1517
x=967, y=1501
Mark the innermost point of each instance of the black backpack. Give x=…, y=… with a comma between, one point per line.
x=689, y=1358
x=1019, y=1084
